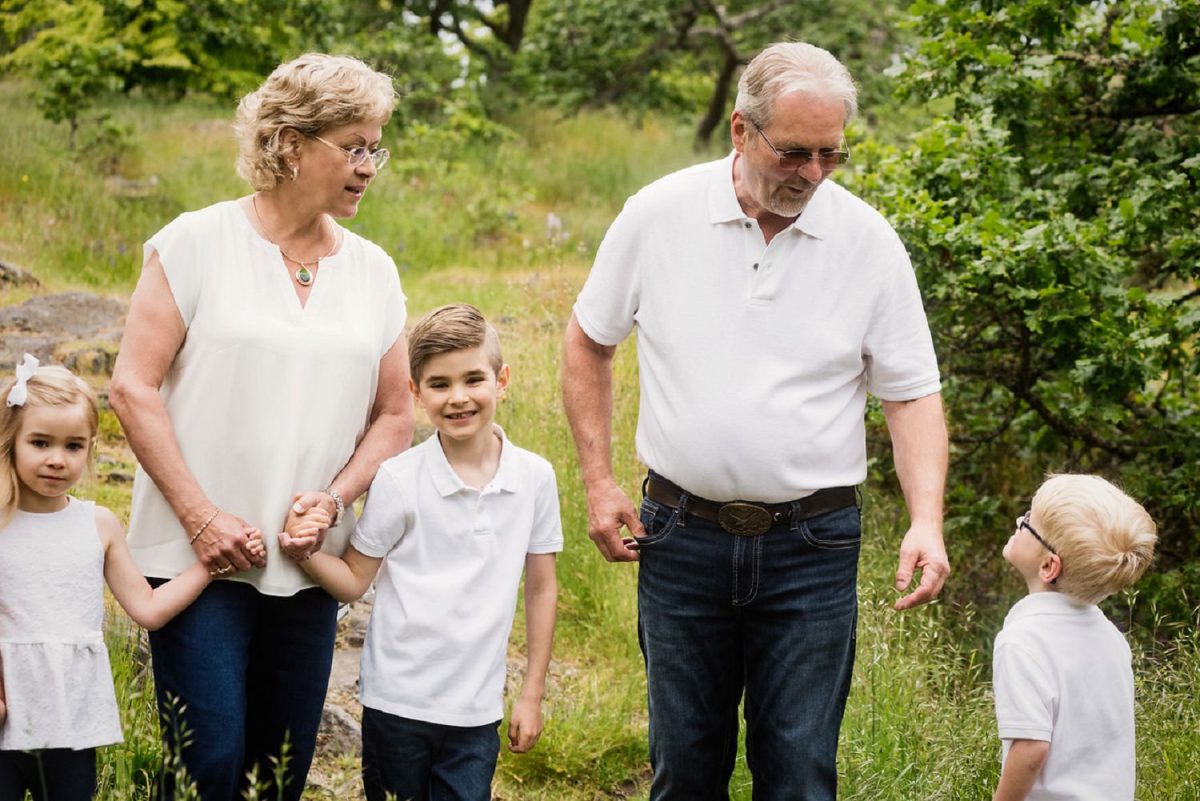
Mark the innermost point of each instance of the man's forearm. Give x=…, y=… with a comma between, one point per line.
x=921, y=452
x=587, y=398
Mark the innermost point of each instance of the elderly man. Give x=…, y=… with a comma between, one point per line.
x=768, y=301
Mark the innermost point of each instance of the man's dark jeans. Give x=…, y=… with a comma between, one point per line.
x=773, y=616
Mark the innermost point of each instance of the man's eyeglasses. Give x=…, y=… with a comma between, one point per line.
x=1025, y=524
x=357, y=155
x=827, y=157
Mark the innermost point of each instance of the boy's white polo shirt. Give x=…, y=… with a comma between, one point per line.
x=447, y=590
x=755, y=360
x=1062, y=673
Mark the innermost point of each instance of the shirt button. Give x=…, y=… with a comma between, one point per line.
x=755, y=265
x=747, y=225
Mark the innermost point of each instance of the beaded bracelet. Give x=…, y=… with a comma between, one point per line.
x=200, y=530
x=338, y=505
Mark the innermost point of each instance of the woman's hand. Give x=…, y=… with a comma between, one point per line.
x=224, y=546
x=308, y=519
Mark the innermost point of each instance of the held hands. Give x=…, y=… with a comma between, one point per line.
x=223, y=545
x=307, y=521
x=922, y=549
x=609, y=510
x=525, y=726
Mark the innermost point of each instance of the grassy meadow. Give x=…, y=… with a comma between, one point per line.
x=476, y=221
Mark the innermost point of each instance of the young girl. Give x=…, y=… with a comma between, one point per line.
x=56, y=692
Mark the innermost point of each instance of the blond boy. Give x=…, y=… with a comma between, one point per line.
x=1061, y=671
x=453, y=522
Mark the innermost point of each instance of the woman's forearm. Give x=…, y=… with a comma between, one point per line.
x=388, y=435
x=151, y=435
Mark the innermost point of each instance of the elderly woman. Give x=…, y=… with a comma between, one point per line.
x=262, y=379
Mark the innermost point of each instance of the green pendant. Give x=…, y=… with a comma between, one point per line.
x=303, y=276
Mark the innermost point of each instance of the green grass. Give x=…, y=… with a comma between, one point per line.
x=470, y=224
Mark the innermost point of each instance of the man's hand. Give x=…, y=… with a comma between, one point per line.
x=609, y=511
x=922, y=549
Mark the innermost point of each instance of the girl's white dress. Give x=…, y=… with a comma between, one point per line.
x=53, y=661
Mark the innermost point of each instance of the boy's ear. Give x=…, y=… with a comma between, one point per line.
x=1050, y=568
x=414, y=389
x=502, y=381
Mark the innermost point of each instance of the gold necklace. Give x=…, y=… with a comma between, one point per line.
x=303, y=276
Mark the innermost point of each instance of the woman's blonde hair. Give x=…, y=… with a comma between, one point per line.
x=1104, y=538
x=50, y=385
x=309, y=95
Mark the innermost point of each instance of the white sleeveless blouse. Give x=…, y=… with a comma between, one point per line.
x=267, y=398
x=57, y=680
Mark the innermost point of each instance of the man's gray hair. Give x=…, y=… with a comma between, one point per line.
x=786, y=67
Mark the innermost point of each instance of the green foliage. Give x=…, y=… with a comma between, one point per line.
x=1052, y=217
x=78, y=50
x=682, y=55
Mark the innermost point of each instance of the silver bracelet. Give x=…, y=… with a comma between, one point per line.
x=338, y=505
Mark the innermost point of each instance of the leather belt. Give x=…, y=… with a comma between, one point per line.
x=746, y=518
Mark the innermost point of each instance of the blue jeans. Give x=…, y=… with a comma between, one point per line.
x=772, y=616
x=414, y=760
x=249, y=671
x=51, y=774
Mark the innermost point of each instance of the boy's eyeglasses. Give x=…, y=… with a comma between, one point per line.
x=357, y=155
x=828, y=158
x=1025, y=524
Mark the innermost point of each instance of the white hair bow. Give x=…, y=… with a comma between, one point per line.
x=25, y=371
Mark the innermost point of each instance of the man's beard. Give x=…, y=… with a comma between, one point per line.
x=789, y=204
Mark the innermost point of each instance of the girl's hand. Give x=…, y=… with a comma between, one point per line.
x=525, y=727
x=255, y=546
x=222, y=546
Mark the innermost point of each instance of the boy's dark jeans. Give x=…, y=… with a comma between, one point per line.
x=419, y=761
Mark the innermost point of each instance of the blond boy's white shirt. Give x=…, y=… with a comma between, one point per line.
x=1062, y=673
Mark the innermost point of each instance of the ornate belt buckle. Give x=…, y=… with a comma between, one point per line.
x=744, y=519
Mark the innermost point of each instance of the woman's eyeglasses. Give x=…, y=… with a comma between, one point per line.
x=357, y=155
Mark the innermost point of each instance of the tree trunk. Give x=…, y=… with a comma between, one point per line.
x=718, y=103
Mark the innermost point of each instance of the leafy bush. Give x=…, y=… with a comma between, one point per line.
x=1052, y=215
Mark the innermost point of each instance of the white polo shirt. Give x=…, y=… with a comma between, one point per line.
x=1062, y=673
x=445, y=596
x=755, y=360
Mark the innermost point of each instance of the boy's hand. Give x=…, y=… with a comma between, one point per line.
x=297, y=548
x=525, y=727
x=304, y=530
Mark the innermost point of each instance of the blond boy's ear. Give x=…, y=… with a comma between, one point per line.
x=1050, y=568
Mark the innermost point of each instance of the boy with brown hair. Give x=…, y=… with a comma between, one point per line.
x=453, y=521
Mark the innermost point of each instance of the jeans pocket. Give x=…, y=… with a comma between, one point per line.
x=658, y=520
x=835, y=530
